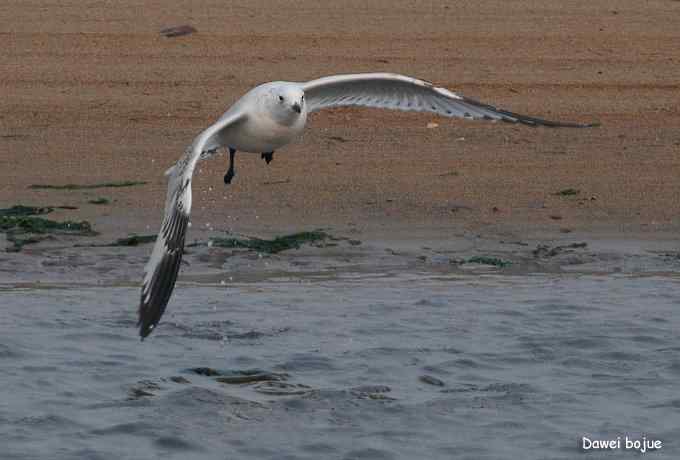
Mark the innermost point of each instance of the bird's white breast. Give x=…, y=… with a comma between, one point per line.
x=260, y=133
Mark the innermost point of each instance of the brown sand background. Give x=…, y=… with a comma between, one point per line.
x=91, y=92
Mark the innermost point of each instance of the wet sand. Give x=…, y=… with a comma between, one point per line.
x=461, y=309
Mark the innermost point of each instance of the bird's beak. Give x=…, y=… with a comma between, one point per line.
x=297, y=107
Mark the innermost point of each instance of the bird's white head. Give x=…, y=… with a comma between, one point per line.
x=286, y=103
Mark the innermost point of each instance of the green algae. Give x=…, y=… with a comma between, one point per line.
x=31, y=224
x=21, y=210
x=23, y=227
x=100, y=201
x=87, y=186
x=568, y=192
x=485, y=260
x=275, y=245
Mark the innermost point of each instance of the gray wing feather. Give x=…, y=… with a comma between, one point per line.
x=399, y=92
x=163, y=267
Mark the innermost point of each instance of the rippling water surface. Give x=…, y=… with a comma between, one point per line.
x=403, y=366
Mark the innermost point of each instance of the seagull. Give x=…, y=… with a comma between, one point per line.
x=269, y=117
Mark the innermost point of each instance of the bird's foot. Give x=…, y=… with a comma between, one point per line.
x=268, y=157
x=229, y=176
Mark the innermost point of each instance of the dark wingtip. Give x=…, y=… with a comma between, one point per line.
x=512, y=117
x=559, y=124
x=156, y=294
x=533, y=121
x=161, y=286
x=144, y=330
x=145, y=322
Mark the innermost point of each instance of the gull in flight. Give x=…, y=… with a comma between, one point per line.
x=267, y=118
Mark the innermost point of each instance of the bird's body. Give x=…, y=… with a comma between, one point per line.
x=266, y=119
x=261, y=132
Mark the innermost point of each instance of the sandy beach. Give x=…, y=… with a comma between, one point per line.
x=96, y=94
x=472, y=289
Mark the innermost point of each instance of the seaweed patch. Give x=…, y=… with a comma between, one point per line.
x=100, y=200
x=568, y=192
x=87, y=186
x=23, y=227
x=485, y=260
x=275, y=245
x=21, y=210
x=30, y=224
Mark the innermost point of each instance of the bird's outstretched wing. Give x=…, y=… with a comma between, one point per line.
x=399, y=92
x=163, y=266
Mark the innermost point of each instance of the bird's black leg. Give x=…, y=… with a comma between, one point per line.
x=230, y=172
x=268, y=156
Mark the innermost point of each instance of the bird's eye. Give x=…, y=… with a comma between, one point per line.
x=281, y=98
x=302, y=98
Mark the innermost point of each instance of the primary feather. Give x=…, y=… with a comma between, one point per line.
x=399, y=92
x=163, y=266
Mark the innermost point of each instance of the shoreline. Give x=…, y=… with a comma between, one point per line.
x=118, y=102
x=100, y=261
